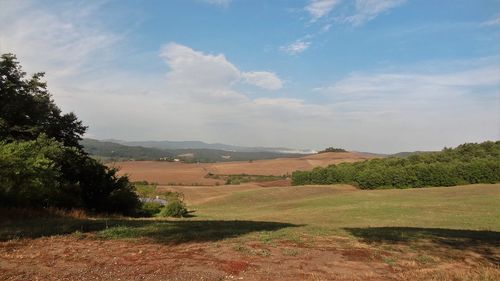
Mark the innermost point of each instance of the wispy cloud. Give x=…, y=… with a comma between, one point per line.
x=320, y=8
x=361, y=12
x=296, y=47
x=355, y=13
x=224, y=3
x=71, y=42
x=492, y=22
x=366, y=10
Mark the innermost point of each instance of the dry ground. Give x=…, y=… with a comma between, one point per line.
x=280, y=233
x=87, y=258
x=174, y=173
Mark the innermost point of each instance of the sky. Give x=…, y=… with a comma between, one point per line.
x=367, y=75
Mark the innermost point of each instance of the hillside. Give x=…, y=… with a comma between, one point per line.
x=176, y=145
x=111, y=151
x=169, y=173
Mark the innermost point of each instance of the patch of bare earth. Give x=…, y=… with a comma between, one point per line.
x=88, y=258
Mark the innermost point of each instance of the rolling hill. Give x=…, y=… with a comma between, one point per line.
x=110, y=151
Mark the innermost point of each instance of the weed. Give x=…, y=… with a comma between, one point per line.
x=390, y=261
x=290, y=252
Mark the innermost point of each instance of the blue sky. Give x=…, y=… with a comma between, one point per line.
x=369, y=75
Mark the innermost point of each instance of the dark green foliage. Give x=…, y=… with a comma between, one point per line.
x=175, y=208
x=244, y=178
x=332, y=149
x=27, y=110
x=151, y=209
x=468, y=163
x=30, y=174
x=41, y=161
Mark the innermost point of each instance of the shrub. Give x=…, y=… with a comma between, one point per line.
x=150, y=209
x=174, y=208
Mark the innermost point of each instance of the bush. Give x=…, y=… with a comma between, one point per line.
x=150, y=209
x=175, y=209
x=44, y=173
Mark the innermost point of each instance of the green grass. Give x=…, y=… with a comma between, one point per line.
x=464, y=215
x=332, y=209
x=162, y=231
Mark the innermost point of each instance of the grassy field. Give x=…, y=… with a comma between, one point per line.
x=337, y=207
x=331, y=232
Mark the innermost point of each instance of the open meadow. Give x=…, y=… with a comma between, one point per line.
x=250, y=232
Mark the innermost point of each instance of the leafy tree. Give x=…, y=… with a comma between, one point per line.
x=41, y=161
x=27, y=109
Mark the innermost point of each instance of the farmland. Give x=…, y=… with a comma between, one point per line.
x=169, y=173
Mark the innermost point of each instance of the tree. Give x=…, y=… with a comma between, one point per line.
x=27, y=109
x=41, y=161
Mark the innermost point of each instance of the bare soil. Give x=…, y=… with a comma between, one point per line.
x=89, y=258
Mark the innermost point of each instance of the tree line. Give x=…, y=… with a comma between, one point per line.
x=468, y=163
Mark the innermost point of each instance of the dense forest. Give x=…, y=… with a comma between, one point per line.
x=42, y=163
x=466, y=164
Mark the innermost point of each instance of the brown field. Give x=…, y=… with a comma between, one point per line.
x=172, y=173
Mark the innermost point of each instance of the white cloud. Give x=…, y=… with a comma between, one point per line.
x=213, y=74
x=366, y=10
x=263, y=79
x=492, y=22
x=192, y=68
x=296, y=47
x=320, y=8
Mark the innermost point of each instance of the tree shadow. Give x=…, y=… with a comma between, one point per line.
x=161, y=231
x=483, y=242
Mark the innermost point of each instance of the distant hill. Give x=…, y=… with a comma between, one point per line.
x=112, y=151
x=203, y=145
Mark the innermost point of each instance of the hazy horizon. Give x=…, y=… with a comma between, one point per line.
x=377, y=76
